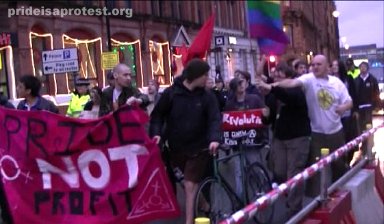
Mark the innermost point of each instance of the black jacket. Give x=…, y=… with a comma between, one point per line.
x=106, y=103
x=5, y=103
x=192, y=118
x=367, y=92
x=288, y=113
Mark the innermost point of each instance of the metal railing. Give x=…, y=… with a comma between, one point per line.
x=268, y=199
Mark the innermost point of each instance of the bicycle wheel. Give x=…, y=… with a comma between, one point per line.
x=216, y=200
x=258, y=184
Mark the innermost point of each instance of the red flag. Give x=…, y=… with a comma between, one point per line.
x=202, y=42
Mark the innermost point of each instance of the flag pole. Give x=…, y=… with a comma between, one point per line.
x=249, y=38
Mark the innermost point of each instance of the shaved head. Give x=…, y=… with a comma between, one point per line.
x=119, y=68
x=122, y=74
x=320, y=65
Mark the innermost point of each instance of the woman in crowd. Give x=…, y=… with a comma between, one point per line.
x=92, y=107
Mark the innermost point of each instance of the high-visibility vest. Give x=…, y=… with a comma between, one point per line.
x=355, y=73
x=76, y=105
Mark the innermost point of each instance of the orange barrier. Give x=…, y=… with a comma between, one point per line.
x=336, y=210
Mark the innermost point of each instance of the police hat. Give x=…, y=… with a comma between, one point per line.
x=82, y=82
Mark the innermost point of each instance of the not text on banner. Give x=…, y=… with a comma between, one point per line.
x=77, y=171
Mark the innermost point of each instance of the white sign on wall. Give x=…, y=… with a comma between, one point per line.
x=60, y=61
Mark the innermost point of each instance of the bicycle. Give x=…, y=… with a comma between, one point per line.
x=222, y=200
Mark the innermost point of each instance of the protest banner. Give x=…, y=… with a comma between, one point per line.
x=242, y=126
x=57, y=169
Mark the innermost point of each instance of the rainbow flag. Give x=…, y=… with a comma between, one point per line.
x=265, y=24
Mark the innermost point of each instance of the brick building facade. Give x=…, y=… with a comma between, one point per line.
x=311, y=28
x=148, y=41
x=145, y=41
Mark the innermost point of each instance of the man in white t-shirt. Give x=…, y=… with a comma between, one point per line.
x=327, y=99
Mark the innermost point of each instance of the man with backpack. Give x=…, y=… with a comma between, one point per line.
x=187, y=117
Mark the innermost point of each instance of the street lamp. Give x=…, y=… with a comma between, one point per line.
x=343, y=40
x=335, y=13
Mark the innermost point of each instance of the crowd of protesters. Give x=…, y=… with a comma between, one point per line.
x=304, y=111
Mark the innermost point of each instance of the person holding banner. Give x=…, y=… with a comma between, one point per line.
x=290, y=142
x=4, y=102
x=241, y=100
x=5, y=214
x=327, y=99
x=29, y=88
x=187, y=117
x=122, y=92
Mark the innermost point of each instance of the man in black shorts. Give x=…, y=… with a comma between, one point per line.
x=192, y=123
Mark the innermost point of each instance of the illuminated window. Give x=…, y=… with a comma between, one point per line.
x=129, y=54
x=3, y=74
x=38, y=44
x=288, y=31
x=7, y=78
x=160, y=62
x=88, y=51
x=177, y=62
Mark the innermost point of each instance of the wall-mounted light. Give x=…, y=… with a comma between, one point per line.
x=227, y=57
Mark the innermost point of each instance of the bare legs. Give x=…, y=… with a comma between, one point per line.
x=190, y=189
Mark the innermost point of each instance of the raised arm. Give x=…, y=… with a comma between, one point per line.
x=288, y=83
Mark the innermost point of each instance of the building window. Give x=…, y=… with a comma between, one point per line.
x=219, y=61
x=288, y=31
x=230, y=19
x=38, y=44
x=88, y=53
x=128, y=4
x=110, y=4
x=155, y=8
x=175, y=10
x=4, y=90
x=160, y=62
x=177, y=62
x=243, y=56
x=129, y=54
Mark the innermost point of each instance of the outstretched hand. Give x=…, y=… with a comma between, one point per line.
x=260, y=65
x=265, y=88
